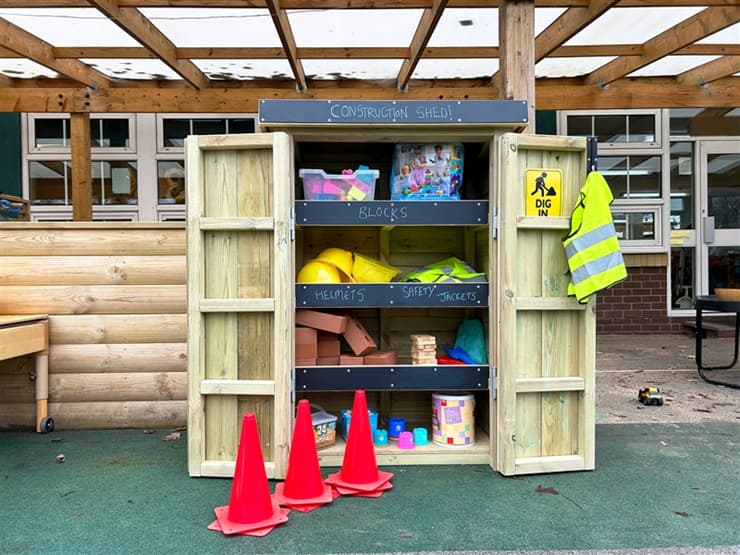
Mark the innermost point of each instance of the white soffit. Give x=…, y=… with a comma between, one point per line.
x=450, y=68
x=21, y=68
x=203, y=27
x=353, y=28
x=671, y=66
x=351, y=69
x=569, y=67
x=132, y=68
x=69, y=26
x=245, y=69
x=631, y=25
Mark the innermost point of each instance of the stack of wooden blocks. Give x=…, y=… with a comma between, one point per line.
x=424, y=350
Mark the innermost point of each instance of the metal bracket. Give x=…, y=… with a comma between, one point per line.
x=292, y=224
x=494, y=382
x=592, y=154
x=494, y=222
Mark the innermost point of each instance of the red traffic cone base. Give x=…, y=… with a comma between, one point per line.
x=261, y=528
x=301, y=504
x=250, y=507
x=358, y=493
x=259, y=532
x=303, y=486
x=359, y=467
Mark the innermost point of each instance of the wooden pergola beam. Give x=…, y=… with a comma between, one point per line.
x=711, y=71
x=26, y=45
x=553, y=94
x=694, y=28
x=284, y=31
x=139, y=27
x=515, y=78
x=81, y=166
x=427, y=24
x=369, y=52
x=571, y=22
x=354, y=4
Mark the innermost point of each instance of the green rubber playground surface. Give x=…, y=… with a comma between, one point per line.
x=124, y=491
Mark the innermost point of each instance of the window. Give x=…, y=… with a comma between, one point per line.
x=171, y=181
x=174, y=129
x=630, y=158
x=51, y=133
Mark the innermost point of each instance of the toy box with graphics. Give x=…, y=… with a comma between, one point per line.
x=426, y=171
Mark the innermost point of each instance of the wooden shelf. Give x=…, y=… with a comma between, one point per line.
x=389, y=295
x=397, y=377
x=390, y=212
x=478, y=453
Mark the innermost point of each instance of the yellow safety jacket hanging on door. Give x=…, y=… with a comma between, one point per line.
x=592, y=248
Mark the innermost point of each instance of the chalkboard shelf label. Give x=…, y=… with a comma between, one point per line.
x=388, y=295
x=390, y=378
x=369, y=112
x=383, y=212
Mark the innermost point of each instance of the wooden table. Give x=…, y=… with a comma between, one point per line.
x=25, y=334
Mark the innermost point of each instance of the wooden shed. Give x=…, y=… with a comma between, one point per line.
x=117, y=293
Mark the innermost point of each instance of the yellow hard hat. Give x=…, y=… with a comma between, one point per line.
x=340, y=258
x=370, y=270
x=316, y=271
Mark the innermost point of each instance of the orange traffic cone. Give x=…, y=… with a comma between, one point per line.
x=303, y=488
x=359, y=468
x=251, y=509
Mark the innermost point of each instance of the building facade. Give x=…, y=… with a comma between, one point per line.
x=674, y=173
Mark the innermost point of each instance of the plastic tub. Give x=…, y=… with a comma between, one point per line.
x=356, y=185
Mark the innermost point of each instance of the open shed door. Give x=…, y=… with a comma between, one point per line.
x=240, y=302
x=546, y=340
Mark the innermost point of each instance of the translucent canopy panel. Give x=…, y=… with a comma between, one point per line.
x=631, y=25
x=569, y=67
x=21, y=68
x=451, y=68
x=353, y=28
x=729, y=35
x=671, y=65
x=203, y=27
x=466, y=27
x=245, y=69
x=132, y=68
x=54, y=25
x=351, y=69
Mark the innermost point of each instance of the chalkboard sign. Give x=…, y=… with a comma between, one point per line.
x=393, y=111
x=378, y=295
x=449, y=212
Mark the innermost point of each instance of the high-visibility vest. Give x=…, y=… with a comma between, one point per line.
x=592, y=248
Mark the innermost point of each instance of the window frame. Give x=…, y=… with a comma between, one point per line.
x=656, y=113
x=169, y=151
x=52, y=149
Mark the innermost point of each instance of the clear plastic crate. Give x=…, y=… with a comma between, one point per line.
x=356, y=185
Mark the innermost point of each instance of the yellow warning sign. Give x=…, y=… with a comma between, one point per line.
x=543, y=192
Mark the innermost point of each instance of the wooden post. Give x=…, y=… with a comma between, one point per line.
x=516, y=53
x=81, y=167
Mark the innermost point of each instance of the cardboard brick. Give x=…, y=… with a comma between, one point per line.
x=306, y=344
x=350, y=360
x=381, y=357
x=305, y=362
x=328, y=361
x=321, y=320
x=358, y=338
x=328, y=344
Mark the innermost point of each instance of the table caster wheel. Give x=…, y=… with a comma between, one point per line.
x=46, y=425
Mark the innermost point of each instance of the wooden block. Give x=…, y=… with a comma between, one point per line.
x=328, y=361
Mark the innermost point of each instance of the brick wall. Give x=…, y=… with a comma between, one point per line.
x=637, y=305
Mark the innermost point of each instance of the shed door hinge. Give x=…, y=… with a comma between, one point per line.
x=292, y=224
x=494, y=222
x=494, y=382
